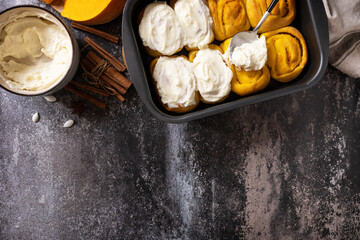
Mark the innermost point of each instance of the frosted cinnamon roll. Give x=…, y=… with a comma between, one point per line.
x=160, y=30
x=213, y=76
x=282, y=15
x=229, y=18
x=287, y=53
x=195, y=19
x=247, y=82
x=175, y=83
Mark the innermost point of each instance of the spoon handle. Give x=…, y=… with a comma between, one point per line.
x=272, y=5
x=266, y=14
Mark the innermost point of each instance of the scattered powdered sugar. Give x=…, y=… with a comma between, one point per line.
x=42, y=199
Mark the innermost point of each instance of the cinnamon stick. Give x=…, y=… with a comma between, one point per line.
x=90, y=88
x=114, y=84
x=85, y=96
x=110, y=72
x=99, y=33
x=111, y=59
x=121, y=98
x=58, y=5
x=89, y=66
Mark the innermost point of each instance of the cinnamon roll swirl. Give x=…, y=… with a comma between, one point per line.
x=282, y=15
x=287, y=53
x=229, y=17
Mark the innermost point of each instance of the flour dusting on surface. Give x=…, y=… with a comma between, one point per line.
x=180, y=178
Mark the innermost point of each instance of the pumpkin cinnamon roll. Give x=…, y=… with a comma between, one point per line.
x=287, y=53
x=282, y=14
x=249, y=82
x=213, y=76
x=246, y=82
x=160, y=30
x=175, y=83
x=194, y=17
x=229, y=18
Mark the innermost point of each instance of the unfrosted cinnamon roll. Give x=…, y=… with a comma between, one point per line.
x=175, y=83
x=282, y=14
x=229, y=18
x=287, y=53
x=247, y=82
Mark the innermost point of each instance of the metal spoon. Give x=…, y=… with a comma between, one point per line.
x=249, y=37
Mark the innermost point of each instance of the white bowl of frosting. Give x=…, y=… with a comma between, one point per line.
x=38, y=53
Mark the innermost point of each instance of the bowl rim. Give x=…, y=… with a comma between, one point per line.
x=72, y=37
x=139, y=77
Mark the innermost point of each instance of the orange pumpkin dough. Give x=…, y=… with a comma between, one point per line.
x=229, y=17
x=282, y=15
x=287, y=53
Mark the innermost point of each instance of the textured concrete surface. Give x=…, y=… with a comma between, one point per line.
x=288, y=168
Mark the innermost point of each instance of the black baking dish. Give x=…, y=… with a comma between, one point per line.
x=311, y=21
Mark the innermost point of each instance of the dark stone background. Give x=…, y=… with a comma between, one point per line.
x=287, y=168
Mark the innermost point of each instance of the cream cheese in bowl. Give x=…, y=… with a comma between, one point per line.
x=36, y=51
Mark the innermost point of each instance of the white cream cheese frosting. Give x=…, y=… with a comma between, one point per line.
x=196, y=21
x=175, y=81
x=160, y=29
x=212, y=74
x=35, y=52
x=250, y=56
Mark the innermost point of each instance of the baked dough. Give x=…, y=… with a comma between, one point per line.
x=282, y=15
x=287, y=53
x=229, y=18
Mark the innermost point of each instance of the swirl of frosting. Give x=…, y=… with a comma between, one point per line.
x=160, y=29
x=35, y=50
x=229, y=18
x=250, y=56
x=195, y=19
x=287, y=53
x=213, y=76
x=175, y=82
x=282, y=15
